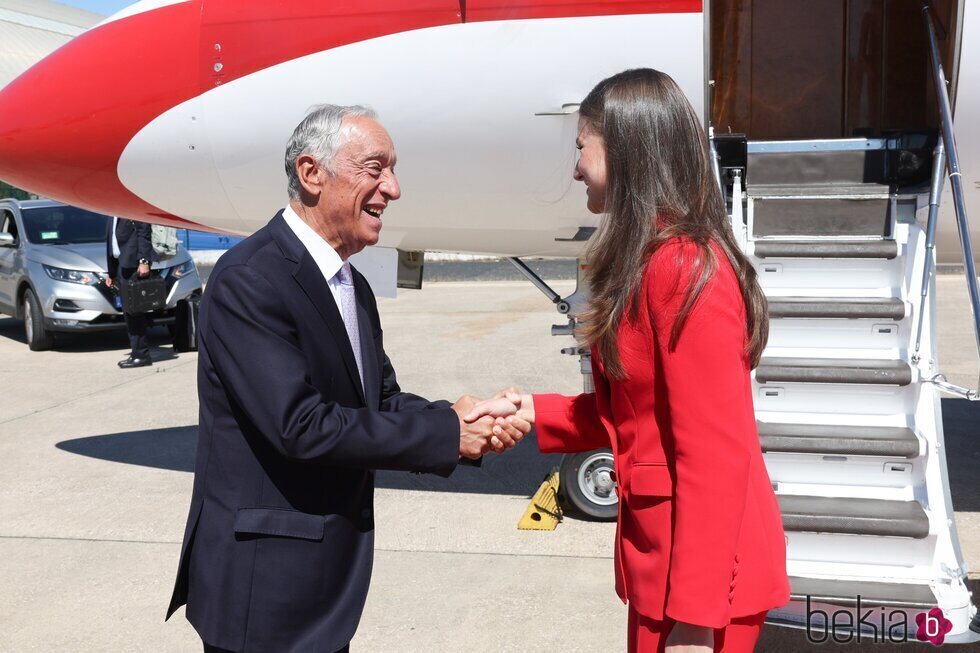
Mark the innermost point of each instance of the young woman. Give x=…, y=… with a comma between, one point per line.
x=676, y=322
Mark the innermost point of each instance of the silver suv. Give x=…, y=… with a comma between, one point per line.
x=53, y=270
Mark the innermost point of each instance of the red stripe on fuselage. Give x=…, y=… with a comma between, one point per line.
x=487, y=10
x=66, y=121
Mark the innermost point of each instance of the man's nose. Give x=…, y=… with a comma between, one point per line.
x=576, y=175
x=390, y=187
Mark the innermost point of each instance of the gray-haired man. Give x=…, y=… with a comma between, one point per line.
x=299, y=403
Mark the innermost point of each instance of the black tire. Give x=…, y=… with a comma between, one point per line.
x=38, y=337
x=172, y=330
x=586, y=485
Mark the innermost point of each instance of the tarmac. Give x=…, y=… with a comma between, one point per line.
x=97, y=468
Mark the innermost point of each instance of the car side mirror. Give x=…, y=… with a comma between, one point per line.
x=7, y=239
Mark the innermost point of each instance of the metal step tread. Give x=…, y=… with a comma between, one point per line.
x=845, y=592
x=818, y=190
x=837, y=439
x=860, y=249
x=822, y=370
x=852, y=516
x=883, y=308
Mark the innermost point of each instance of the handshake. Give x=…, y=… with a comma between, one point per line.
x=494, y=424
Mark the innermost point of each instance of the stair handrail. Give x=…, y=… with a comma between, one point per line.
x=935, y=194
x=715, y=162
x=956, y=183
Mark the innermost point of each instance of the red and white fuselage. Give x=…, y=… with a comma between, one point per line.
x=178, y=111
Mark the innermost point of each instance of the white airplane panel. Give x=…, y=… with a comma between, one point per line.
x=479, y=171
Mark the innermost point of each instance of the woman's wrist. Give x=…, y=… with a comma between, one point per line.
x=526, y=410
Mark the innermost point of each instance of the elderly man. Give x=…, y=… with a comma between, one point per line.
x=299, y=403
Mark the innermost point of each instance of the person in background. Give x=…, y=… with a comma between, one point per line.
x=129, y=253
x=676, y=322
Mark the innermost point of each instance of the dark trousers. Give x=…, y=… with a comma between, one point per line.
x=136, y=323
x=214, y=649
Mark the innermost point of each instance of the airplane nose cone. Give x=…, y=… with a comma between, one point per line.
x=66, y=120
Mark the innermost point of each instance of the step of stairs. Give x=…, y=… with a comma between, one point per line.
x=856, y=249
x=845, y=593
x=840, y=440
x=814, y=216
x=853, y=516
x=821, y=370
x=879, y=308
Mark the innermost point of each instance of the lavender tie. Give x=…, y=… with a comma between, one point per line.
x=348, y=306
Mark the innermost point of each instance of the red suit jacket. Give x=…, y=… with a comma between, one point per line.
x=699, y=536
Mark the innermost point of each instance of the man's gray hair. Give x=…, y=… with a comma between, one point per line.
x=319, y=136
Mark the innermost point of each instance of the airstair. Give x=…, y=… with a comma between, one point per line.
x=850, y=426
x=847, y=394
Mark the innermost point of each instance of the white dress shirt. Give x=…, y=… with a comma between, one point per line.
x=115, y=243
x=325, y=256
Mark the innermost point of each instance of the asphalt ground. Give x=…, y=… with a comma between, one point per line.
x=97, y=467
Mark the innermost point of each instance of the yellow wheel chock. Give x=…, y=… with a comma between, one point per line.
x=544, y=512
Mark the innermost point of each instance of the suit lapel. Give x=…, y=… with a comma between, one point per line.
x=310, y=279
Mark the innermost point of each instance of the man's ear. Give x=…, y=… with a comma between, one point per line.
x=311, y=174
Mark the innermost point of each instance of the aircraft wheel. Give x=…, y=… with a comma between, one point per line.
x=586, y=483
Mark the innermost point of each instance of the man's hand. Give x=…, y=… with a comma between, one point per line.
x=689, y=638
x=143, y=270
x=109, y=283
x=488, y=432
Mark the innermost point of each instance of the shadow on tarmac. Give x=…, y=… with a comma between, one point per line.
x=518, y=472
x=171, y=448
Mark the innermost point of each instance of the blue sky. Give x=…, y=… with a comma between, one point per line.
x=104, y=7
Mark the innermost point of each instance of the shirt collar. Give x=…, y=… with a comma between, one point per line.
x=325, y=256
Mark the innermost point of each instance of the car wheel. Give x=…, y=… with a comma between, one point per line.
x=38, y=337
x=586, y=483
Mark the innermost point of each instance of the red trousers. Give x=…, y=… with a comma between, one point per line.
x=649, y=635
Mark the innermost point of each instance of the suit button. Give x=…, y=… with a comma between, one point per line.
x=737, y=559
x=366, y=513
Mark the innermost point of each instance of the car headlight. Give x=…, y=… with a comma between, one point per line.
x=183, y=269
x=73, y=276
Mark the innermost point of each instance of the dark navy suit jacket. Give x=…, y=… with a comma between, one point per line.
x=134, y=243
x=278, y=547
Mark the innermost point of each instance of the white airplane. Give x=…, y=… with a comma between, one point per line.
x=177, y=112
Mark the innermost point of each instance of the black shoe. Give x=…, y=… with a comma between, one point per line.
x=135, y=362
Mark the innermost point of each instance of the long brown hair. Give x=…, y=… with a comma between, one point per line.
x=659, y=186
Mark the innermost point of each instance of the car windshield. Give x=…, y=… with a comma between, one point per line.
x=64, y=225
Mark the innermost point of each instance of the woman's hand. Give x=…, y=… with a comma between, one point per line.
x=688, y=638
x=505, y=403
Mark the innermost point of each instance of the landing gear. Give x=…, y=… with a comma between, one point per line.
x=588, y=484
x=586, y=480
